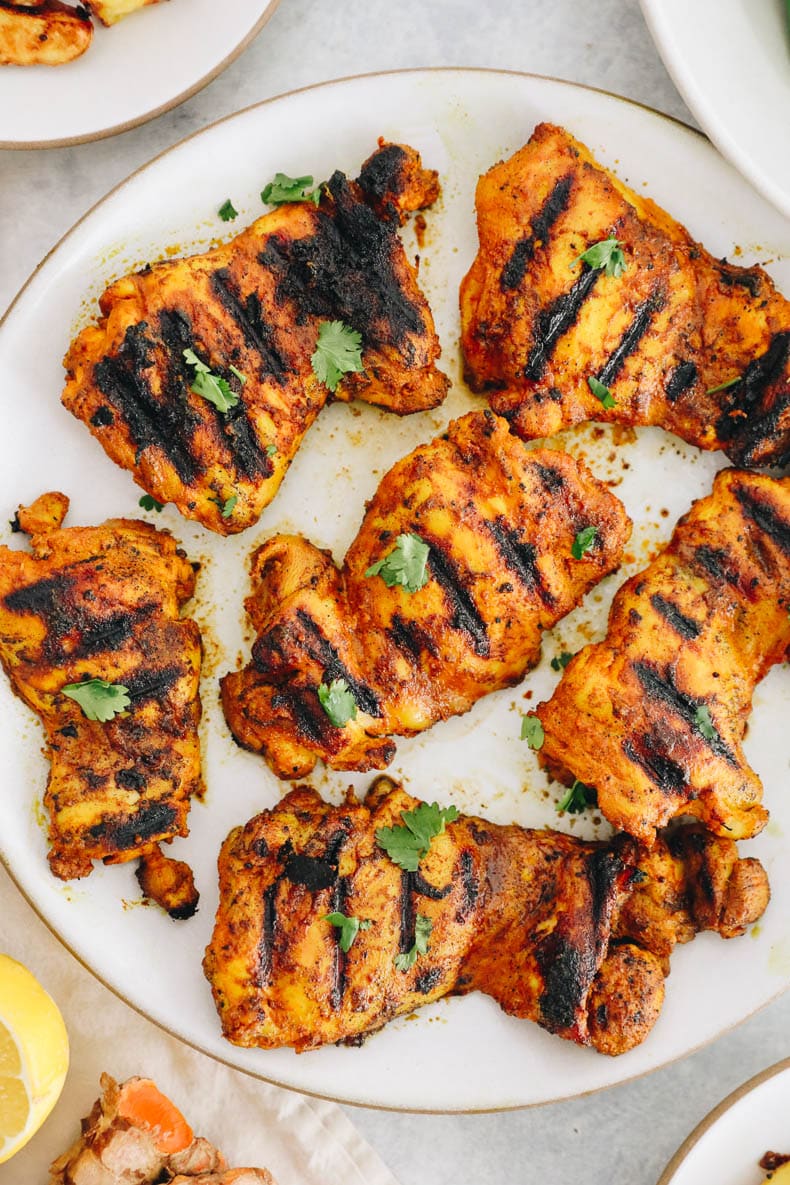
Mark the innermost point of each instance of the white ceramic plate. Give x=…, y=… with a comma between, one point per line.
x=460, y=1054
x=730, y=60
x=728, y=1144
x=147, y=63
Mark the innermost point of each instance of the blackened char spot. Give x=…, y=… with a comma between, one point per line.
x=167, y=424
x=743, y=278
x=102, y=417
x=551, y=478
x=683, y=376
x=524, y=250
x=465, y=615
x=639, y=326
x=42, y=598
x=470, y=887
x=347, y=270
x=109, y=634
x=130, y=779
x=248, y=315
x=556, y=319
x=69, y=730
x=687, y=627
x=765, y=516
x=427, y=981
x=520, y=557
x=321, y=650
x=152, y=819
x=564, y=983
x=316, y=872
x=380, y=176
x=661, y=686
x=645, y=751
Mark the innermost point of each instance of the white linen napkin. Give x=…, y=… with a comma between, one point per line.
x=302, y=1141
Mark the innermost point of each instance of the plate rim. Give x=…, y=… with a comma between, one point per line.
x=127, y=124
x=163, y=1027
x=705, y=111
x=715, y=1114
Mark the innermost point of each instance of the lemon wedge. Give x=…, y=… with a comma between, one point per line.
x=34, y=1056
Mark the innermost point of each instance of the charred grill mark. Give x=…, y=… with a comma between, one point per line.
x=310, y=718
x=430, y=891
x=247, y=312
x=524, y=250
x=520, y=558
x=644, y=751
x=346, y=270
x=411, y=638
x=714, y=561
x=552, y=479
x=316, y=872
x=339, y=984
x=683, y=376
x=564, y=983
x=266, y=944
x=556, y=319
x=408, y=917
x=46, y=598
x=662, y=687
x=470, y=887
x=322, y=651
x=128, y=831
x=738, y=423
x=130, y=779
x=465, y=615
x=147, y=684
x=687, y=627
x=168, y=425
x=764, y=516
x=603, y=870
x=750, y=280
x=631, y=338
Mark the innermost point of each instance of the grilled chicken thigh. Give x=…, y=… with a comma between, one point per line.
x=654, y=716
x=104, y=603
x=679, y=339
x=251, y=312
x=573, y=935
x=500, y=524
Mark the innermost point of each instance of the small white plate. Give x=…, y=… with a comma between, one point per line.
x=727, y=1146
x=460, y=1054
x=151, y=61
x=730, y=60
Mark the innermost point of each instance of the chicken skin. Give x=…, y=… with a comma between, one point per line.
x=497, y=526
x=103, y=603
x=671, y=335
x=654, y=716
x=251, y=313
x=570, y=934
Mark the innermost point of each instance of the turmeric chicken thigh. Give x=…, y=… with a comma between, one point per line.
x=103, y=603
x=571, y=934
x=251, y=313
x=493, y=530
x=587, y=301
x=654, y=716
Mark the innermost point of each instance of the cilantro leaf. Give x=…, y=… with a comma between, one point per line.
x=349, y=927
x=405, y=564
x=601, y=392
x=608, y=254
x=561, y=660
x=270, y=450
x=338, y=702
x=583, y=542
x=149, y=502
x=406, y=845
x=577, y=798
x=704, y=723
x=723, y=386
x=290, y=189
x=226, y=508
x=227, y=211
x=532, y=732
x=241, y=377
x=98, y=699
x=422, y=932
x=337, y=352
x=216, y=390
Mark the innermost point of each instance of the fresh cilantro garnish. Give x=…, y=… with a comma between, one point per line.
x=703, y=721
x=405, y=564
x=578, y=798
x=210, y=386
x=583, y=542
x=422, y=932
x=98, y=699
x=149, y=502
x=348, y=927
x=723, y=386
x=226, y=508
x=608, y=253
x=338, y=352
x=561, y=660
x=338, y=702
x=270, y=450
x=241, y=377
x=228, y=211
x=532, y=732
x=407, y=845
x=601, y=392
x=290, y=189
